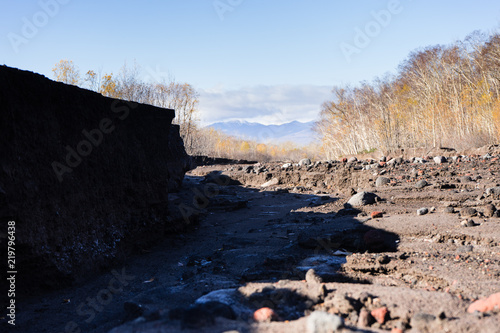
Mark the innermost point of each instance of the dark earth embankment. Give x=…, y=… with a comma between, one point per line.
x=85, y=177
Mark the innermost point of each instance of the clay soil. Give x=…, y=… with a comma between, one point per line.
x=250, y=246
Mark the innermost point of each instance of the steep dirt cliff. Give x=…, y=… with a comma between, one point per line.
x=85, y=177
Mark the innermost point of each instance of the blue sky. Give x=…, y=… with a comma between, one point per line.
x=268, y=61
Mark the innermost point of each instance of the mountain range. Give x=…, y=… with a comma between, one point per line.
x=296, y=132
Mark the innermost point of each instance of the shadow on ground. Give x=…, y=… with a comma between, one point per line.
x=235, y=237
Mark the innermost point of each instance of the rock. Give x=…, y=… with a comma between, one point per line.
x=421, y=184
x=305, y=162
x=265, y=315
x=362, y=199
x=449, y=210
x=365, y=319
x=489, y=210
x=468, y=212
x=395, y=161
x=383, y=159
x=286, y=165
x=352, y=159
x=468, y=223
x=376, y=215
x=384, y=259
x=465, y=179
x=487, y=156
x=422, y=322
x=439, y=159
x=485, y=304
x=272, y=182
x=381, y=181
x=312, y=277
x=493, y=191
x=322, y=322
x=422, y=211
x=248, y=168
x=380, y=314
x=230, y=297
x=392, y=161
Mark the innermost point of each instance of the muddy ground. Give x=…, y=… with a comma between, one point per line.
x=282, y=236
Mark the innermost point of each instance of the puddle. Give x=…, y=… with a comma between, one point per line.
x=326, y=266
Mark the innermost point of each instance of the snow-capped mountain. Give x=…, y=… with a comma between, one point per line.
x=299, y=133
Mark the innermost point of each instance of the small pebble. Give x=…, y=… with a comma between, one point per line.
x=468, y=212
x=380, y=314
x=365, y=318
x=485, y=304
x=265, y=314
x=468, y=223
x=312, y=277
x=422, y=211
x=449, y=210
x=322, y=322
x=421, y=184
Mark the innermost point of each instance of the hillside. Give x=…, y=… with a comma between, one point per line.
x=85, y=178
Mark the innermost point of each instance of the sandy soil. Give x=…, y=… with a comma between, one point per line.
x=251, y=246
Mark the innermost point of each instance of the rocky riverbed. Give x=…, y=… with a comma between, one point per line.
x=405, y=244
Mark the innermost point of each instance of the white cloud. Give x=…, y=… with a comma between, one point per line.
x=264, y=104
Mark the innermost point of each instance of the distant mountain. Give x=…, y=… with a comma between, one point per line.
x=299, y=133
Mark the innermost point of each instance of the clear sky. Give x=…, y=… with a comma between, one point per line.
x=257, y=60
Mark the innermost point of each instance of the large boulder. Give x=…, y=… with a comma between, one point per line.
x=362, y=199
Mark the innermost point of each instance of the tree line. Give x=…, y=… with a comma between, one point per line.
x=184, y=99
x=440, y=96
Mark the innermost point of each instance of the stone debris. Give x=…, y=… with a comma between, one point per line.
x=382, y=181
x=439, y=159
x=421, y=184
x=265, y=314
x=272, y=182
x=468, y=212
x=486, y=304
x=422, y=211
x=362, y=199
x=322, y=322
x=305, y=162
x=380, y=314
x=468, y=223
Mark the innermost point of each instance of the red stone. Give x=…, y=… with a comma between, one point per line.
x=265, y=315
x=485, y=304
x=380, y=314
x=377, y=214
